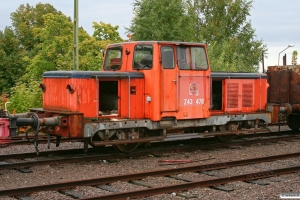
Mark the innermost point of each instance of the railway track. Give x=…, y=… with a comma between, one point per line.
x=42, y=139
x=75, y=155
x=137, y=178
x=21, y=140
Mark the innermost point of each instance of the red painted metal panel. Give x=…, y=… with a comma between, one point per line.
x=152, y=85
x=131, y=102
x=169, y=90
x=152, y=93
x=56, y=95
x=83, y=99
x=194, y=95
x=260, y=94
x=137, y=103
x=243, y=94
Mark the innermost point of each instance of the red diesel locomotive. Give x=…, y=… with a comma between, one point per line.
x=145, y=89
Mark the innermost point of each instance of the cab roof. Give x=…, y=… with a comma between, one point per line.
x=157, y=42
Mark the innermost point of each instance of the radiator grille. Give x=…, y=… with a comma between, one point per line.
x=232, y=95
x=247, y=98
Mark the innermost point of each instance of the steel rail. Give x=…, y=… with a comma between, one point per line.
x=42, y=139
x=125, y=155
x=195, y=184
x=70, y=151
x=42, y=153
x=141, y=175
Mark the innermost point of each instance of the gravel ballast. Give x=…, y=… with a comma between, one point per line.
x=76, y=171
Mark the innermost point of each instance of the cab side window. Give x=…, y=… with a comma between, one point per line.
x=113, y=58
x=143, y=57
x=199, y=60
x=167, y=57
x=191, y=58
x=183, y=56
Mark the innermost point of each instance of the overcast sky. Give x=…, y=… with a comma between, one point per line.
x=276, y=21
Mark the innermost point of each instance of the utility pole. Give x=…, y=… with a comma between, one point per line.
x=75, y=36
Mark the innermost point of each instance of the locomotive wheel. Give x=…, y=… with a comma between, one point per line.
x=293, y=122
x=126, y=148
x=129, y=147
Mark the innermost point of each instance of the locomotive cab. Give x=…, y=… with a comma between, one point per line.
x=176, y=77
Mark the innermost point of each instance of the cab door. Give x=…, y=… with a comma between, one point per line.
x=169, y=84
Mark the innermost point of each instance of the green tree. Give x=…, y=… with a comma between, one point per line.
x=221, y=24
x=17, y=42
x=11, y=63
x=224, y=27
x=160, y=20
x=294, y=58
x=106, y=32
x=26, y=18
x=54, y=51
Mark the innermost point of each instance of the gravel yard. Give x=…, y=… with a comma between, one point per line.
x=241, y=190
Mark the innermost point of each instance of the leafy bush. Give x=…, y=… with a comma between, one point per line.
x=25, y=96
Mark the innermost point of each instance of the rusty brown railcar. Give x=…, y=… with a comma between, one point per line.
x=284, y=93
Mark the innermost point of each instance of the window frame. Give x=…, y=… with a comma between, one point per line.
x=189, y=57
x=143, y=59
x=107, y=59
x=161, y=54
